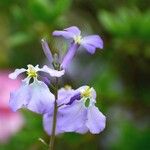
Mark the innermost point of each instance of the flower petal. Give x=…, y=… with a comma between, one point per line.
x=20, y=97
x=75, y=30
x=82, y=130
x=42, y=100
x=68, y=32
x=94, y=40
x=52, y=72
x=90, y=48
x=96, y=120
x=64, y=96
x=48, y=122
x=73, y=116
x=90, y=43
x=15, y=74
x=69, y=56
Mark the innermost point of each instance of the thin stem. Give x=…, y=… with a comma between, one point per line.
x=52, y=138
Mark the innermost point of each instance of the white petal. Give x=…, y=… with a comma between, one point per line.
x=52, y=72
x=15, y=74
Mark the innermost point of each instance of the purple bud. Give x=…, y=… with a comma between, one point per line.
x=47, y=50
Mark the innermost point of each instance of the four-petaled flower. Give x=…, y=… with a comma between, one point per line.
x=80, y=116
x=90, y=43
x=35, y=95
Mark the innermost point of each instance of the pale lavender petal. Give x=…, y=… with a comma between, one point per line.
x=90, y=43
x=82, y=130
x=94, y=40
x=96, y=120
x=48, y=121
x=73, y=116
x=15, y=74
x=68, y=32
x=64, y=95
x=47, y=50
x=90, y=48
x=65, y=34
x=75, y=30
x=69, y=56
x=42, y=100
x=20, y=97
x=52, y=72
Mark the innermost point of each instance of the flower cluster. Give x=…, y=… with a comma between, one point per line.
x=74, y=109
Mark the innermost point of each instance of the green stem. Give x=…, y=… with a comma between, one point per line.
x=52, y=138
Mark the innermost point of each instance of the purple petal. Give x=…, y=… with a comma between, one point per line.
x=52, y=72
x=90, y=43
x=73, y=116
x=48, y=122
x=75, y=96
x=96, y=120
x=90, y=48
x=47, y=50
x=75, y=30
x=46, y=80
x=82, y=130
x=20, y=97
x=68, y=32
x=64, y=96
x=16, y=73
x=69, y=56
x=42, y=100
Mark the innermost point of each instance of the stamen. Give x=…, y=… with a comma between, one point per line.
x=78, y=39
x=31, y=72
x=87, y=92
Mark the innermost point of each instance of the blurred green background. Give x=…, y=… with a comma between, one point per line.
x=120, y=73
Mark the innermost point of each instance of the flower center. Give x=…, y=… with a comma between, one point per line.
x=87, y=92
x=78, y=39
x=31, y=72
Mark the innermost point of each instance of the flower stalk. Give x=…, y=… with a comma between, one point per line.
x=52, y=138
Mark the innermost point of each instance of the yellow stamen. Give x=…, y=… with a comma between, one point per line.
x=87, y=92
x=31, y=72
x=78, y=39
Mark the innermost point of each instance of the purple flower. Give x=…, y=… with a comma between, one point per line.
x=80, y=116
x=34, y=96
x=90, y=43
